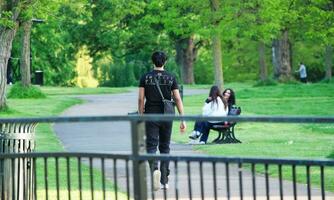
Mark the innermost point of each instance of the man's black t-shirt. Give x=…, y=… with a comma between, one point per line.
x=167, y=83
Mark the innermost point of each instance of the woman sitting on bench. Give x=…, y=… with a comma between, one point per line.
x=229, y=97
x=215, y=105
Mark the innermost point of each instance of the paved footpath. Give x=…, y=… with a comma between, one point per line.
x=114, y=137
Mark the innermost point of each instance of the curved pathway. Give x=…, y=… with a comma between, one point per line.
x=115, y=137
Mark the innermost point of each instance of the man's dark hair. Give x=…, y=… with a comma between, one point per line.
x=159, y=58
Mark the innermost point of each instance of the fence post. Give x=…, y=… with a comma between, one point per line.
x=139, y=167
x=16, y=175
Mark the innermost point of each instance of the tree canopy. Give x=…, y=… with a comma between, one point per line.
x=259, y=40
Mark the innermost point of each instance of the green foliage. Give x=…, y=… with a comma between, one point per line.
x=330, y=81
x=203, y=69
x=121, y=75
x=125, y=33
x=268, y=82
x=18, y=91
x=6, y=19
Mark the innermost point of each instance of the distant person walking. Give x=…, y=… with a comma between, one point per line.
x=158, y=134
x=302, y=73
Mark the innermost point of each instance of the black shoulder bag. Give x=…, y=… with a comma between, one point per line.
x=169, y=105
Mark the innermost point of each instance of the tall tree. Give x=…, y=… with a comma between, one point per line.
x=26, y=54
x=287, y=12
x=9, y=12
x=255, y=18
x=319, y=15
x=186, y=53
x=178, y=19
x=216, y=45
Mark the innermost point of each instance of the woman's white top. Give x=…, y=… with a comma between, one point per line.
x=215, y=109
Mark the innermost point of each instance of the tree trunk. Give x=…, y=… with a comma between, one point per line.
x=263, y=66
x=217, y=57
x=25, y=54
x=285, y=57
x=6, y=39
x=276, y=58
x=329, y=61
x=216, y=48
x=186, y=54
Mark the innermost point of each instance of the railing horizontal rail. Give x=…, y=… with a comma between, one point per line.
x=65, y=155
x=156, y=117
x=304, y=162
x=148, y=157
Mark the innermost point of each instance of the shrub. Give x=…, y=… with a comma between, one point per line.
x=325, y=80
x=18, y=91
x=268, y=82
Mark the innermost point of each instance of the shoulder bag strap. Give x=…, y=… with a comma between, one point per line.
x=158, y=86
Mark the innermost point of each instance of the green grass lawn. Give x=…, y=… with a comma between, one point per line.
x=58, y=99
x=275, y=140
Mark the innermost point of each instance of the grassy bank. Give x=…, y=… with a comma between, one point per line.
x=311, y=141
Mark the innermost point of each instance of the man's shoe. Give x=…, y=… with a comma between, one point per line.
x=156, y=180
x=164, y=186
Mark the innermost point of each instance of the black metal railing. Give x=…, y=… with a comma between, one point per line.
x=127, y=176
x=110, y=176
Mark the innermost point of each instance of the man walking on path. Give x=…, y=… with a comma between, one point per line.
x=158, y=134
x=302, y=73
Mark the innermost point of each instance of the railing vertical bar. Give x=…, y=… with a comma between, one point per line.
x=2, y=161
x=35, y=178
x=30, y=180
x=13, y=177
x=127, y=179
x=227, y=180
x=267, y=181
x=152, y=187
x=280, y=181
x=103, y=179
x=46, y=178
x=189, y=180
x=68, y=169
x=91, y=177
x=214, y=180
x=308, y=182
x=80, y=178
x=18, y=172
x=115, y=178
x=322, y=182
x=57, y=177
x=201, y=179
x=176, y=181
x=164, y=191
x=24, y=175
x=240, y=181
x=253, y=181
x=294, y=182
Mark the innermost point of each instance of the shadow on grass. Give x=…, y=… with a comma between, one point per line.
x=331, y=156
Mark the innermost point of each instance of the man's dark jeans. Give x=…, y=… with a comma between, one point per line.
x=158, y=134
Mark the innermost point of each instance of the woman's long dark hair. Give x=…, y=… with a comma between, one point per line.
x=215, y=93
x=231, y=100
